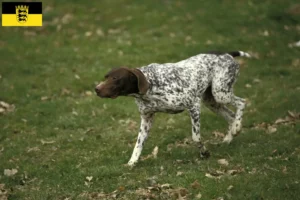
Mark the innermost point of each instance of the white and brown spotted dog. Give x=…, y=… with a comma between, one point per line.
x=174, y=87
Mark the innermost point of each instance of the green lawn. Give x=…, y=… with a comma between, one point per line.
x=66, y=143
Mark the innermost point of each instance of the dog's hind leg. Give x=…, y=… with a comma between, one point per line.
x=218, y=108
x=222, y=91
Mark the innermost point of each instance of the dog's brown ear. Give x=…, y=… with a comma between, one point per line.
x=143, y=84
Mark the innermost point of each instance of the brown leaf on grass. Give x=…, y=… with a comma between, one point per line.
x=290, y=118
x=121, y=188
x=198, y=196
x=6, y=108
x=65, y=91
x=248, y=85
x=218, y=134
x=296, y=62
x=271, y=129
x=89, y=178
x=3, y=192
x=88, y=33
x=77, y=76
x=254, y=54
x=208, y=175
x=195, y=184
x=294, y=9
x=230, y=187
x=29, y=33
x=88, y=93
x=100, y=32
x=47, y=142
x=67, y=18
x=154, y=152
x=10, y=172
x=114, y=31
x=223, y=162
x=217, y=174
x=152, y=155
x=33, y=149
x=44, y=98
x=182, y=193
x=75, y=113
x=284, y=170
x=130, y=124
x=179, y=173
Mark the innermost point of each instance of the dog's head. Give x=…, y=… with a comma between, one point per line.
x=121, y=82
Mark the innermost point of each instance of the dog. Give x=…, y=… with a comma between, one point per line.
x=175, y=87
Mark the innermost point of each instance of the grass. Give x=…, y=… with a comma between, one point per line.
x=59, y=133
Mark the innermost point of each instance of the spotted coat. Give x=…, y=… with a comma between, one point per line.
x=175, y=87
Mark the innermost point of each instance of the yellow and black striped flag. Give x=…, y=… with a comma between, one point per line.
x=22, y=14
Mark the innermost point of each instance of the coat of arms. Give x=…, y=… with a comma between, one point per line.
x=22, y=13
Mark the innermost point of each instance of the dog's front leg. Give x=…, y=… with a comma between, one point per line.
x=195, y=118
x=146, y=122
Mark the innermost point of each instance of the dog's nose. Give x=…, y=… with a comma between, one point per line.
x=97, y=90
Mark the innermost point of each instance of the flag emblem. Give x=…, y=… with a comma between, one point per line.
x=22, y=14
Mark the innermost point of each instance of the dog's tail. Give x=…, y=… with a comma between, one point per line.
x=239, y=53
x=232, y=53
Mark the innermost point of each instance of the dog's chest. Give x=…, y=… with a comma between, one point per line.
x=160, y=104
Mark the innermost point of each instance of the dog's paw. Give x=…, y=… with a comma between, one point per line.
x=235, y=127
x=131, y=163
x=227, y=139
x=204, y=153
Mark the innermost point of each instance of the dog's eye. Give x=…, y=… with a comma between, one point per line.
x=114, y=78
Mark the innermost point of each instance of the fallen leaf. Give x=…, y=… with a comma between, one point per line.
x=88, y=33
x=248, y=85
x=3, y=192
x=195, y=184
x=218, y=134
x=10, y=172
x=166, y=185
x=188, y=38
x=223, y=162
x=293, y=115
x=89, y=178
x=74, y=113
x=271, y=129
x=4, y=104
x=121, y=188
x=284, y=170
x=230, y=187
x=179, y=173
x=99, y=32
x=77, y=76
x=5, y=107
x=155, y=151
x=67, y=18
x=266, y=33
x=34, y=149
x=88, y=93
x=209, y=42
x=198, y=196
x=65, y=91
x=44, y=98
x=295, y=44
x=232, y=172
x=47, y=142
x=183, y=192
x=256, y=80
